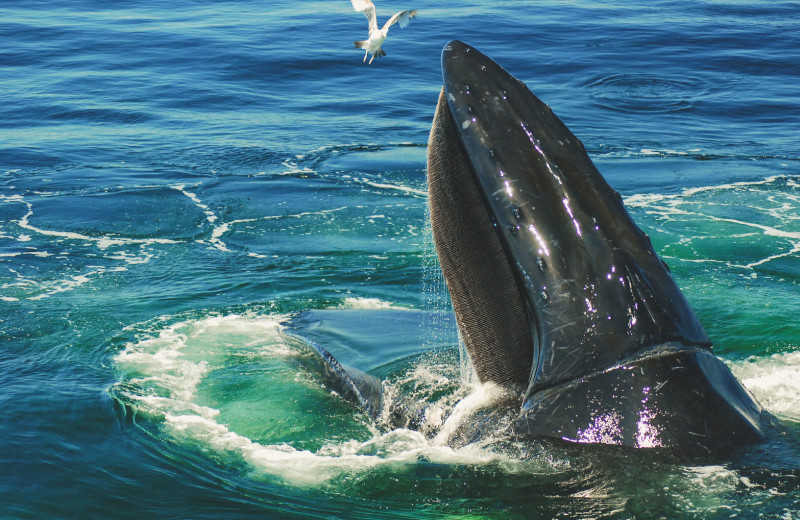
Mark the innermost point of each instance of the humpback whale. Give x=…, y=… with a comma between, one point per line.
x=558, y=295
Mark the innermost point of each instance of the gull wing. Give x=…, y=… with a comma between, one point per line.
x=403, y=18
x=369, y=11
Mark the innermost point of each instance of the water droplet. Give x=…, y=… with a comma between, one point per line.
x=466, y=89
x=517, y=212
x=540, y=264
x=544, y=293
x=513, y=230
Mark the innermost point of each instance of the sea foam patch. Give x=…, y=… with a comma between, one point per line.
x=230, y=385
x=359, y=302
x=775, y=381
x=740, y=225
x=48, y=261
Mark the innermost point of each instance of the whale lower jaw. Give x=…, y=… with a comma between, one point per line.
x=684, y=399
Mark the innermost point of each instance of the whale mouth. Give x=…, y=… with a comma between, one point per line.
x=557, y=292
x=565, y=259
x=490, y=304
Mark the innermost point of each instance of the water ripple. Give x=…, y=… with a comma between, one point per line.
x=642, y=92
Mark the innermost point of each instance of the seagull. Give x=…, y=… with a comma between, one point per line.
x=372, y=45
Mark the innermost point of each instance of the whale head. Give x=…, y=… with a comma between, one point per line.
x=558, y=294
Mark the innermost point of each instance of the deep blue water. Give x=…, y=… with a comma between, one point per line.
x=179, y=180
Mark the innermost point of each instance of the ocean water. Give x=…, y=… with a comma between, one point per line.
x=187, y=187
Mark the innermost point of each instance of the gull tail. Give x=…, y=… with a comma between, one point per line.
x=360, y=45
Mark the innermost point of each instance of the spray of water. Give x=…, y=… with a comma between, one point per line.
x=437, y=330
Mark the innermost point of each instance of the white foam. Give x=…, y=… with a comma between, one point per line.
x=102, y=242
x=164, y=369
x=646, y=199
x=425, y=379
x=40, y=254
x=397, y=187
x=768, y=230
x=143, y=258
x=482, y=396
x=217, y=229
x=775, y=381
x=166, y=365
x=293, y=169
x=356, y=302
x=64, y=285
x=665, y=152
x=781, y=207
x=161, y=362
x=793, y=251
x=708, y=484
x=301, y=467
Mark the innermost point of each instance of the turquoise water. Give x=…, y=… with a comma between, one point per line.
x=183, y=185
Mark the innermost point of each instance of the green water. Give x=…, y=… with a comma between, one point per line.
x=179, y=180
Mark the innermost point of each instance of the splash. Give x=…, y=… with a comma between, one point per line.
x=775, y=381
x=364, y=303
x=169, y=374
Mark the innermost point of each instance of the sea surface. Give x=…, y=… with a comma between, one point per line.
x=189, y=187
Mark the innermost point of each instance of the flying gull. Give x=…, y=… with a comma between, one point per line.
x=372, y=45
